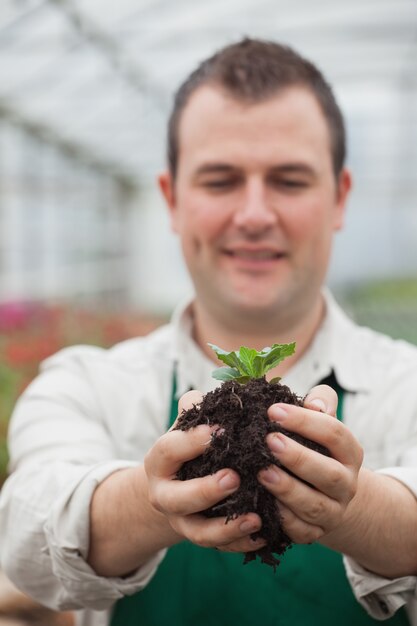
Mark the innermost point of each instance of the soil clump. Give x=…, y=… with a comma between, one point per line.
x=240, y=411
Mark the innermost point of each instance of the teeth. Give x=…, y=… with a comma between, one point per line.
x=258, y=254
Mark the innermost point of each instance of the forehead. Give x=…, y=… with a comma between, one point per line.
x=288, y=125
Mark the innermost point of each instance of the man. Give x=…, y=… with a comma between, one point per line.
x=255, y=189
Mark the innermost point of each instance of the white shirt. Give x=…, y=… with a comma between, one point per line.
x=93, y=411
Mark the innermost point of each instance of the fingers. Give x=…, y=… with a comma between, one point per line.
x=180, y=501
x=174, y=497
x=175, y=448
x=233, y=536
x=310, y=512
x=247, y=544
x=325, y=474
x=177, y=497
x=315, y=504
x=310, y=505
x=298, y=530
x=322, y=398
x=321, y=428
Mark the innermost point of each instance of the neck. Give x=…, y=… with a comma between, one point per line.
x=208, y=329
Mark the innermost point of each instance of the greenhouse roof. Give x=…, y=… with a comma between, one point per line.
x=97, y=76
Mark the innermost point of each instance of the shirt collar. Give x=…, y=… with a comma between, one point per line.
x=332, y=349
x=193, y=366
x=346, y=350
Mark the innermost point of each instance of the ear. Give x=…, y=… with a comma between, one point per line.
x=167, y=186
x=344, y=185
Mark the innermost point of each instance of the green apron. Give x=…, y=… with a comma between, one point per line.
x=196, y=586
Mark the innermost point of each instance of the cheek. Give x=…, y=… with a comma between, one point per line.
x=309, y=228
x=196, y=231
x=201, y=221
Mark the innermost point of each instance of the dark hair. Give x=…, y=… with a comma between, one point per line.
x=253, y=70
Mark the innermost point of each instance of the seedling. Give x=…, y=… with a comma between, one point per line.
x=239, y=410
x=246, y=363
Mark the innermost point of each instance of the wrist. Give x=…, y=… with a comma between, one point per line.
x=355, y=520
x=125, y=530
x=156, y=523
x=383, y=512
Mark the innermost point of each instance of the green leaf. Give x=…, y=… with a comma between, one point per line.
x=276, y=354
x=247, y=363
x=259, y=365
x=229, y=358
x=226, y=373
x=243, y=379
x=247, y=357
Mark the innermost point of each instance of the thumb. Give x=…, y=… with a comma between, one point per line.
x=322, y=398
x=187, y=401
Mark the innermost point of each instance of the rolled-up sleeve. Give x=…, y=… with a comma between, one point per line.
x=60, y=452
x=382, y=597
x=45, y=555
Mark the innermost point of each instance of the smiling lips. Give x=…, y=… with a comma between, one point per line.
x=255, y=255
x=254, y=261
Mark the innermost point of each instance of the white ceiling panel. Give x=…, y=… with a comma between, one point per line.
x=101, y=73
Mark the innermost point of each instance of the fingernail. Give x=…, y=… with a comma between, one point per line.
x=248, y=527
x=276, y=443
x=270, y=476
x=278, y=412
x=318, y=404
x=228, y=481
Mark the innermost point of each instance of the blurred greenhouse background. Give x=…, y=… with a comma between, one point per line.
x=86, y=253
x=85, y=91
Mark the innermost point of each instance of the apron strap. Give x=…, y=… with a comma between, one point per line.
x=332, y=382
x=173, y=410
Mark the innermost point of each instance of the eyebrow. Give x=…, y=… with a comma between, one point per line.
x=294, y=168
x=215, y=168
x=225, y=168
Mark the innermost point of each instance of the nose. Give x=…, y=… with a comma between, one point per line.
x=254, y=215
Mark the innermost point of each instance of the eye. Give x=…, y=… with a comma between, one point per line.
x=219, y=183
x=290, y=183
x=294, y=183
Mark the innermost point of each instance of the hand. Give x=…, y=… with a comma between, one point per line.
x=311, y=511
x=181, y=501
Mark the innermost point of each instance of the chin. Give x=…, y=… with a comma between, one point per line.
x=250, y=298
x=258, y=296
x=253, y=304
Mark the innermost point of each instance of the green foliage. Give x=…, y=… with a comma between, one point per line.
x=388, y=306
x=247, y=363
x=4, y=459
x=9, y=386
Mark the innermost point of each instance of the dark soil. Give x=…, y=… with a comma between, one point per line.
x=241, y=410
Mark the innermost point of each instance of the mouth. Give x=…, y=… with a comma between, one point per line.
x=254, y=261
x=258, y=255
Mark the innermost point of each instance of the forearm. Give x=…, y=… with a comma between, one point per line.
x=125, y=530
x=379, y=530
x=44, y=520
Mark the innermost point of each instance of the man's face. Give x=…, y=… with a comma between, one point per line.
x=255, y=201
